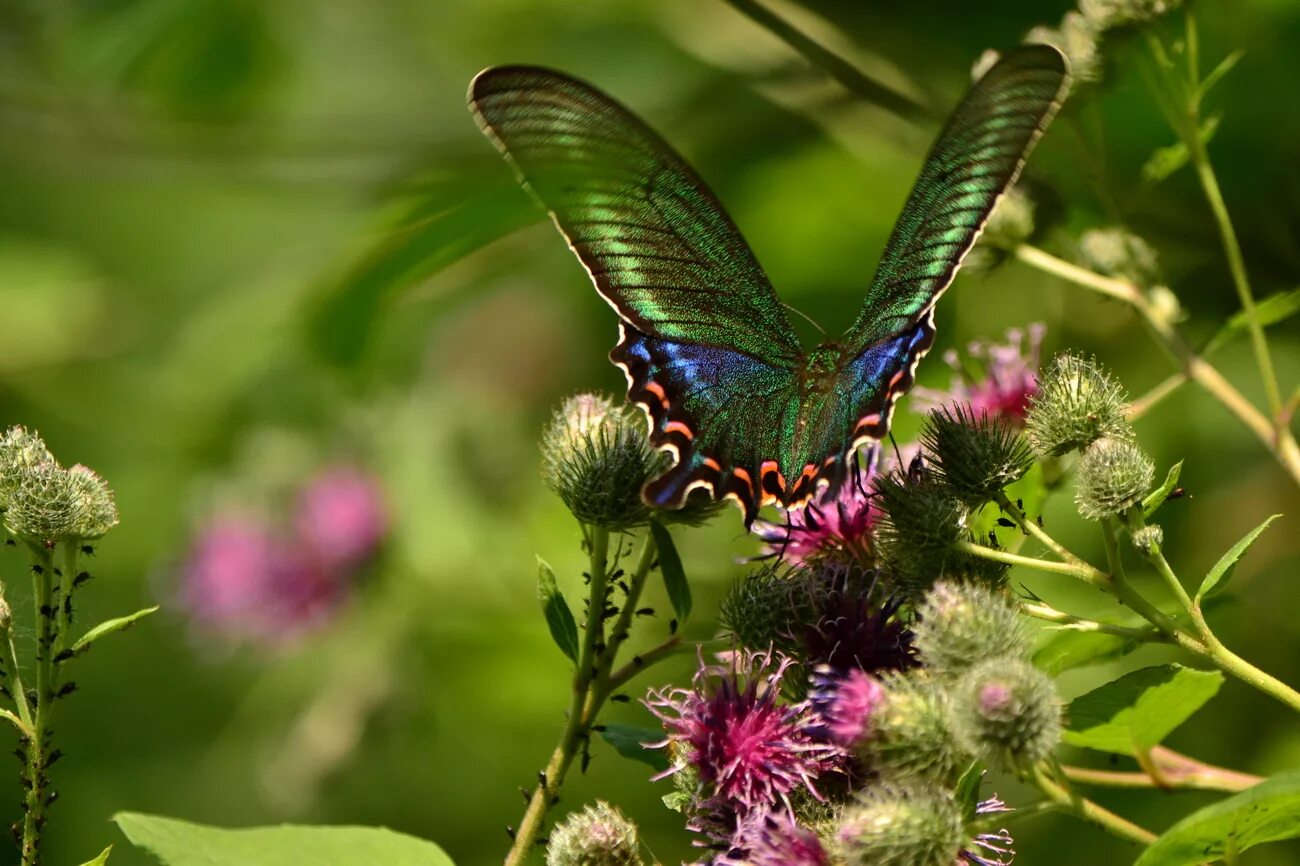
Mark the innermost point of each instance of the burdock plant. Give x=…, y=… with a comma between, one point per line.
x=58, y=514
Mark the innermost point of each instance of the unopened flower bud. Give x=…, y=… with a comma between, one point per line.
x=922, y=521
x=909, y=737
x=1164, y=306
x=20, y=451
x=1076, y=38
x=599, y=835
x=1108, y=14
x=1112, y=476
x=1006, y=712
x=57, y=504
x=1078, y=403
x=976, y=457
x=770, y=607
x=1116, y=252
x=961, y=624
x=1149, y=539
x=900, y=826
x=597, y=457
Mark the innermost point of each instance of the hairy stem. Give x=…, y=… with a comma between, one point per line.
x=36, y=749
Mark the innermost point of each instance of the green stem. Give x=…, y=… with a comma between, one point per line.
x=1125, y=592
x=833, y=65
x=1084, y=572
x=1076, y=623
x=1032, y=528
x=1229, y=662
x=1089, y=811
x=37, y=747
x=576, y=727
x=623, y=625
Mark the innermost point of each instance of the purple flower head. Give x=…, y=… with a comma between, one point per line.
x=990, y=849
x=241, y=580
x=341, y=516
x=846, y=703
x=837, y=525
x=775, y=840
x=855, y=629
x=1010, y=377
x=749, y=750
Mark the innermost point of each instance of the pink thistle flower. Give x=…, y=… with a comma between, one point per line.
x=846, y=704
x=341, y=516
x=749, y=751
x=243, y=581
x=1010, y=377
x=776, y=840
x=839, y=523
x=854, y=628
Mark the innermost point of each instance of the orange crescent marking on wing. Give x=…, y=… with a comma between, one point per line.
x=712, y=464
x=658, y=390
x=679, y=427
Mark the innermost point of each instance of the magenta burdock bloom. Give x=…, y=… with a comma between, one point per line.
x=845, y=704
x=830, y=524
x=776, y=840
x=341, y=516
x=244, y=582
x=1010, y=378
x=748, y=750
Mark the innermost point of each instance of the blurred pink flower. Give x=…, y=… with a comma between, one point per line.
x=341, y=516
x=1010, y=377
x=242, y=581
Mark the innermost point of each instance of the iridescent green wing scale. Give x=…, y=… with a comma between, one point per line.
x=706, y=346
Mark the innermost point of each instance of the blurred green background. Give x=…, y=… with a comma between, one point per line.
x=238, y=238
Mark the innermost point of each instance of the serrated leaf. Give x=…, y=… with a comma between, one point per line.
x=1137, y=711
x=559, y=618
x=1277, y=307
x=1069, y=648
x=180, y=843
x=1164, y=161
x=101, y=859
x=630, y=742
x=1227, y=563
x=1267, y=812
x=1157, y=497
x=670, y=565
x=109, y=627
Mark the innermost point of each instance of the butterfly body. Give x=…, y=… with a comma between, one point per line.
x=705, y=344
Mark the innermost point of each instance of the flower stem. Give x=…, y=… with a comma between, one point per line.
x=1038, y=610
x=1083, y=571
x=36, y=749
x=1031, y=527
x=1089, y=811
x=1177, y=772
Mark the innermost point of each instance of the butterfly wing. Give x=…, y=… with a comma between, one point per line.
x=706, y=346
x=976, y=158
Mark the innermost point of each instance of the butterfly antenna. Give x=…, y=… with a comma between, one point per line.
x=809, y=319
x=898, y=455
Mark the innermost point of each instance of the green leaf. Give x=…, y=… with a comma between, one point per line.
x=670, y=564
x=107, y=627
x=1071, y=648
x=180, y=843
x=630, y=741
x=450, y=218
x=1157, y=497
x=677, y=800
x=559, y=618
x=967, y=793
x=1275, y=308
x=1227, y=563
x=101, y=859
x=1164, y=161
x=1135, y=712
x=1268, y=812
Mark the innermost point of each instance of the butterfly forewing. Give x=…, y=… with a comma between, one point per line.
x=976, y=158
x=656, y=242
